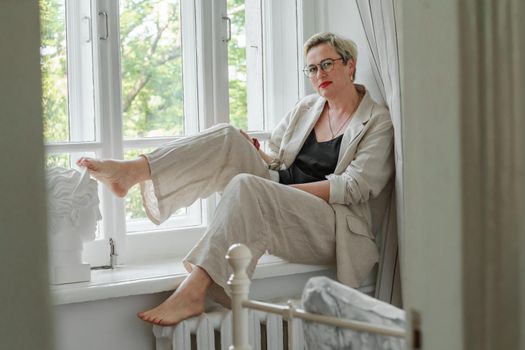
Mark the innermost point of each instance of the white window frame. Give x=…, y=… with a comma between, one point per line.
x=205, y=96
x=144, y=241
x=282, y=59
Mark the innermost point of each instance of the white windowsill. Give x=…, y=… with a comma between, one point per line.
x=160, y=276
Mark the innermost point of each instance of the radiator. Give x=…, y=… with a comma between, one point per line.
x=213, y=330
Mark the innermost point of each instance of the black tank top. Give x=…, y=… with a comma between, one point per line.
x=314, y=162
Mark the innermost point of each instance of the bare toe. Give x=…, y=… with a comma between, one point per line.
x=113, y=174
x=173, y=310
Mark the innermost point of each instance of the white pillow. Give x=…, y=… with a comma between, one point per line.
x=324, y=296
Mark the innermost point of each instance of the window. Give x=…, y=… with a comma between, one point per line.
x=123, y=77
x=152, y=66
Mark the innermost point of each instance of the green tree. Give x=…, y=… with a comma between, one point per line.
x=54, y=71
x=151, y=58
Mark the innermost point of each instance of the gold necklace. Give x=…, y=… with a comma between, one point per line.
x=359, y=98
x=330, y=124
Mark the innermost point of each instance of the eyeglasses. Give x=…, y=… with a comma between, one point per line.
x=326, y=65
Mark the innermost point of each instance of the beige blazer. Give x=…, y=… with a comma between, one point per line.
x=364, y=167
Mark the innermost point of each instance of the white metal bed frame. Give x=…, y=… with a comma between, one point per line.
x=239, y=256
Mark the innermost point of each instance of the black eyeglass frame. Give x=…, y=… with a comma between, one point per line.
x=306, y=69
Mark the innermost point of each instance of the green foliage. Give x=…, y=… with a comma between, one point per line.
x=152, y=85
x=133, y=200
x=237, y=65
x=61, y=160
x=54, y=71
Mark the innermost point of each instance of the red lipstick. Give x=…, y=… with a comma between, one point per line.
x=324, y=84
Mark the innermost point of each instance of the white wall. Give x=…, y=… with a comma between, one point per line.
x=24, y=304
x=431, y=93
x=106, y=324
x=113, y=324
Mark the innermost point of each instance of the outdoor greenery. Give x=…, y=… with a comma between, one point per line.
x=133, y=200
x=152, y=80
x=151, y=59
x=54, y=71
x=237, y=65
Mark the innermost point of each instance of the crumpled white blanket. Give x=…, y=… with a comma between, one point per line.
x=324, y=296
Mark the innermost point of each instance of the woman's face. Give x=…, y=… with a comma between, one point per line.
x=329, y=84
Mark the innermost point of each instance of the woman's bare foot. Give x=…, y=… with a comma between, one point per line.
x=186, y=301
x=118, y=175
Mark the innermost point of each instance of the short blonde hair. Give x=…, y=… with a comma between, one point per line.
x=345, y=48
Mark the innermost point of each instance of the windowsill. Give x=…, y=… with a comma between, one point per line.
x=156, y=277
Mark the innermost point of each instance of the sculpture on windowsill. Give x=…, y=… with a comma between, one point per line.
x=72, y=220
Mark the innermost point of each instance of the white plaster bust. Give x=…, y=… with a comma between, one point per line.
x=72, y=220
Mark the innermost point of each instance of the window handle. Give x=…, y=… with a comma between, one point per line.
x=229, y=36
x=105, y=14
x=113, y=256
x=90, y=29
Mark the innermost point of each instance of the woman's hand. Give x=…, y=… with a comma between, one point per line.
x=267, y=159
x=243, y=133
x=252, y=140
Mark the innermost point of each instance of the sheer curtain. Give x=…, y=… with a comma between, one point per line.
x=379, y=22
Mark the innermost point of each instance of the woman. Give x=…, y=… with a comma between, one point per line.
x=331, y=153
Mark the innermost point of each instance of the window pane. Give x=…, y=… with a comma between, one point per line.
x=152, y=85
x=66, y=160
x=134, y=209
x=67, y=71
x=245, y=65
x=133, y=200
x=237, y=65
x=54, y=70
x=61, y=160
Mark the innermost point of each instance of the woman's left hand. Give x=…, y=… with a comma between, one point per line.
x=267, y=159
x=243, y=133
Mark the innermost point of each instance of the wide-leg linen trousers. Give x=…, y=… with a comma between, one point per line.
x=253, y=210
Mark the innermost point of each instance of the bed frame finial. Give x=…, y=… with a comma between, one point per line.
x=239, y=257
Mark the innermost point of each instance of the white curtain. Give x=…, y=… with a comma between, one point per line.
x=379, y=22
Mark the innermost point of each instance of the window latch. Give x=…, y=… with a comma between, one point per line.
x=113, y=256
x=106, y=35
x=90, y=29
x=229, y=34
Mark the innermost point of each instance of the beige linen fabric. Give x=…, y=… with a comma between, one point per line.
x=197, y=166
x=265, y=216
x=254, y=210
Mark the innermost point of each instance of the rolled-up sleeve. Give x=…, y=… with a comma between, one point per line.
x=369, y=171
